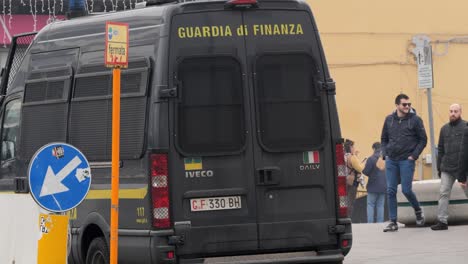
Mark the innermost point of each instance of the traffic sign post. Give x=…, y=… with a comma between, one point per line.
x=59, y=177
x=116, y=52
x=423, y=54
x=424, y=60
x=116, y=57
x=52, y=245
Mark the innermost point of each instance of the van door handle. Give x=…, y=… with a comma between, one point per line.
x=168, y=93
x=268, y=176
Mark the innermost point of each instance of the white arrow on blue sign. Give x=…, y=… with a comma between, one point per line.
x=59, y=177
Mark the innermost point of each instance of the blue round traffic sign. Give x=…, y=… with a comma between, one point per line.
x=59, y=177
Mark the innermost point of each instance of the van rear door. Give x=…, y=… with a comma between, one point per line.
x=292, y=146
x=210, y=155
x=250, y=156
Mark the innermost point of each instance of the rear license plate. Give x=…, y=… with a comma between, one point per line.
x=215, y=203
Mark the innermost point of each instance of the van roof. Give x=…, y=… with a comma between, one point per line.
x=92, y=24
x=88, y=25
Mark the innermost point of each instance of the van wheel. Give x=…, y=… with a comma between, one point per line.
x=98, y=252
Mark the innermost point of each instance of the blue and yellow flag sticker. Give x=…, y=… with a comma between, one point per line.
x=193, y=163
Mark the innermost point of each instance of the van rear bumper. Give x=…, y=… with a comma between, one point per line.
x=279, y=258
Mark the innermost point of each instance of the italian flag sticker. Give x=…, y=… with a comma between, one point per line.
x=310, y=157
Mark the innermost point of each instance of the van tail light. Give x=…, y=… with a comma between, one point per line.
x=241, y=3
x=341, y=181
x=344, y=243
x=160, y=191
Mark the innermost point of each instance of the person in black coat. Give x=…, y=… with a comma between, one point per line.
x=403, y=139
x=463, y=165
x=376, y=185
x=450, y=153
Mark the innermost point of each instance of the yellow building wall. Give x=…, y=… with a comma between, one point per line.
x=368, y=47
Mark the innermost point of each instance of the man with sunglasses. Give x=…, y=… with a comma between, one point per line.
x=403, y=139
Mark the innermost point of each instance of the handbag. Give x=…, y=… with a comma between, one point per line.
x=351, y=173
x=350, y=178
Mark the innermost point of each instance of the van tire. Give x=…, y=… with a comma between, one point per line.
x=98, y=252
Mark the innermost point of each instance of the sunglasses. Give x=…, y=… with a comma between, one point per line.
x=406, y=104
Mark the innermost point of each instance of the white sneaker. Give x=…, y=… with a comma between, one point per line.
x=420, y=220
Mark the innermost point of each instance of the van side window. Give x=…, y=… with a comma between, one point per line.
x=10, y=129
x=45, y=108
x=210, y=113
x=91, y=111
x=289, y=108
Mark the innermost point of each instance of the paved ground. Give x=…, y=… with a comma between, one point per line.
x=410, y=245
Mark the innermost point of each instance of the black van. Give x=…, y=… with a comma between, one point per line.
x=231, y=149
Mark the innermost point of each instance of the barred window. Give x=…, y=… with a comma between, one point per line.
x=290, y=110
x=210, y=113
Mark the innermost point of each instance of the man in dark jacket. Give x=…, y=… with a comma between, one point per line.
x=376, y=186
x=403, y=139
x=463, y=165
x=449, y=166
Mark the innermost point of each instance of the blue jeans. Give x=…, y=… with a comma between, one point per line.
x=396, y=172
x=375, y=201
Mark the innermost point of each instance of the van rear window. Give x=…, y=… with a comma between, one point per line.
x=210, y=113
x=289, y=108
